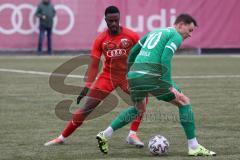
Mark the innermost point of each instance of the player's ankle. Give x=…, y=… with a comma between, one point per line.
x=193, y=143
x=108, y=132
x=62, y=138
x=131, y=132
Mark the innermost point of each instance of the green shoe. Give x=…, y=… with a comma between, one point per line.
x=201, y=151
x=102, y=143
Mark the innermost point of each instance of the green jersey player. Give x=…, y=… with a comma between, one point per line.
x=150, y=73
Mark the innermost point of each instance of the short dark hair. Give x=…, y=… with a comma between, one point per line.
x=185, y=18
x=111, y=9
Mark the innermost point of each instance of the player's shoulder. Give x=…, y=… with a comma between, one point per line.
x=129, y=31
x=172, y=33
x=101, y=36
x=176, y=35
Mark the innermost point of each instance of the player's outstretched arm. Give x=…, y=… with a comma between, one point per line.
x=166, y=62
x=172, y=45
x=90, y=77
x=82, y=94
x=133, y=54
x=135, y=51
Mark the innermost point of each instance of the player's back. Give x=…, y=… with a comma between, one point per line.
x=154, y=45
x=150, y=55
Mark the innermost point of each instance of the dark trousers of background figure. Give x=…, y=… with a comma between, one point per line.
x=42, y=31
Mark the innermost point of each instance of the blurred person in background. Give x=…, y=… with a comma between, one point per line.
x=45, y=12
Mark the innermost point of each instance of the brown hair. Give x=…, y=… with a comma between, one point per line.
x=185, y=18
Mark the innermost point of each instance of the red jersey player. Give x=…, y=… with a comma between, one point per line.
x=115, y=44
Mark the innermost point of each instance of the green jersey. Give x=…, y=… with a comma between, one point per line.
x=156, y=53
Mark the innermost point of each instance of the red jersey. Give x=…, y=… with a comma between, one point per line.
x=115, y=49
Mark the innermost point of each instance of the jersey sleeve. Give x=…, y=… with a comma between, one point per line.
x=135, y=51
x=96, y=54
x=172, y=45
x=97, y=47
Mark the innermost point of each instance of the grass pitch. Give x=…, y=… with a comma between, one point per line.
x=28, y=120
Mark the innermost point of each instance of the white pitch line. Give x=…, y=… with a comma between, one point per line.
x=206, y=76
x=38, y=73
x=80, y=76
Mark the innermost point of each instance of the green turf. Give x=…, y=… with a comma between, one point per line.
x=28, y=120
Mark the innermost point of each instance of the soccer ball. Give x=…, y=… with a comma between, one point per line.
x=158, y=145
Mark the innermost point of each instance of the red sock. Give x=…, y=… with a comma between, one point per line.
x=72, y=125
x=136, y=122
x=69, y=129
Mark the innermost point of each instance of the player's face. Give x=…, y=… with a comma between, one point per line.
x=46, y=1
x=186, y=29
x=112, y=20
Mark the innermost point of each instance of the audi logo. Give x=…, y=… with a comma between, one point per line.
x=17, y=19
x=116, y=52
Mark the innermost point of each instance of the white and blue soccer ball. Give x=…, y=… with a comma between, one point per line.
x=158, y=145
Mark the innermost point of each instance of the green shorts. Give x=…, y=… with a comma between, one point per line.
x=143, y=85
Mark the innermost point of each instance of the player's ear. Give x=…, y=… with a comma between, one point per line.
x=106, y=20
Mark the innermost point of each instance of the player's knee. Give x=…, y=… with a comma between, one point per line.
x=141, y=108
x=181, y=100
x=184, y=100
x=91, y=104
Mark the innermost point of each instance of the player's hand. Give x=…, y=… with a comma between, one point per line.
x=44, y=17
x=82, y=94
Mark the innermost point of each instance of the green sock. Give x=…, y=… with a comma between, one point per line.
x=187, y=120
x=124, y=118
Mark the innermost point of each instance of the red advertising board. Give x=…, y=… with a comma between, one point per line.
x=79, y=21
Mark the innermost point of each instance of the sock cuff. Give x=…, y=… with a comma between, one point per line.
x=185, y=105
x=185, y=108
x=132, y=132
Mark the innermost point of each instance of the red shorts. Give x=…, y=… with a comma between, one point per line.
x=104, y=85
